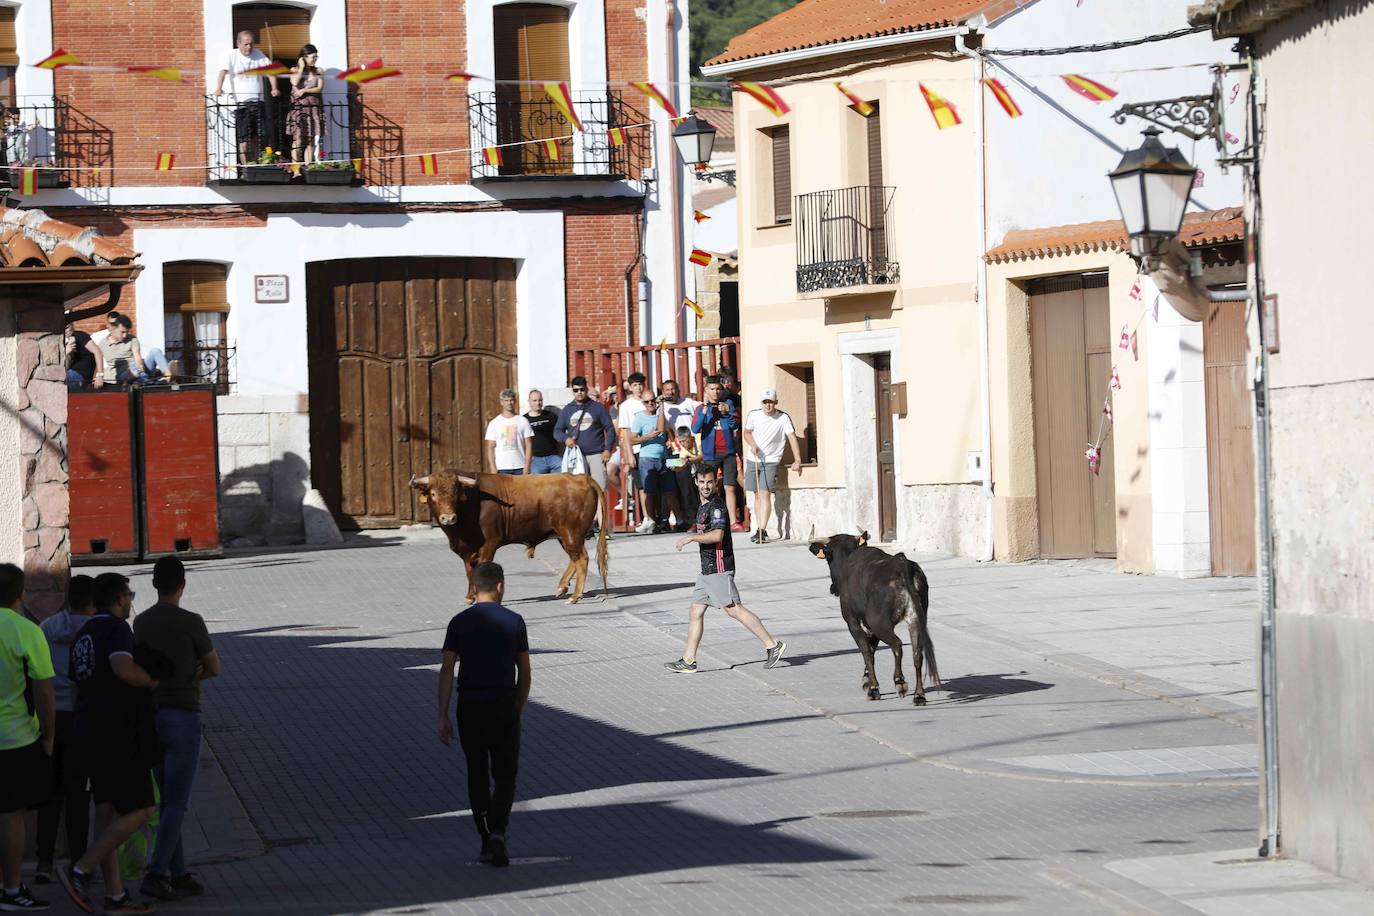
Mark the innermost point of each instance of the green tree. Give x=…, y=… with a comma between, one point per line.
x=714, y=22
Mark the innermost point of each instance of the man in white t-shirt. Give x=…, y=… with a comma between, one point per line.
x=507, y=440
x=766, y=431
x=246, y=92
x=629, y=408
x=676, y=410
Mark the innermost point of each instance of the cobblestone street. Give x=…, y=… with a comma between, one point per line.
x=1087, y=718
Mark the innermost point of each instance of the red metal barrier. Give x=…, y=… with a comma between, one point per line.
x=180, y=452
x=103, y=478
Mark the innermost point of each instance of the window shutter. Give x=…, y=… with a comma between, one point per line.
x=531, y=43
x=873, y=124
x=782, y=175
x=9, y=46
x=808, y=440
x=195, y=286
x=282, y=30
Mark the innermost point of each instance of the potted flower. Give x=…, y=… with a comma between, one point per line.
x=267, y=169
x=330, y=171
x=44, y=176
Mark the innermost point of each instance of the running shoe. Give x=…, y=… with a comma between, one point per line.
x=763, y=536
x=188, y=885
x=21, y=901
x=681, y=666
x=159, y=887
x=499, y=856
x=645, y=526
x=738, y=528
x=775, y=654
x=77, y=886
x=45, y=874
x=125, y=904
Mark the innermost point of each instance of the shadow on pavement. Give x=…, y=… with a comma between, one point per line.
x=974, y=687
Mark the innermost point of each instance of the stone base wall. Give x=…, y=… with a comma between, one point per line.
x=936, y=518
x=42, y=416
x=264, y=469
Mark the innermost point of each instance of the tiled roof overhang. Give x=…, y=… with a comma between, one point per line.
x=1212, y=227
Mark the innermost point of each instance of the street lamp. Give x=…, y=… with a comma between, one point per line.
x=695, y=138
x=1152, y=185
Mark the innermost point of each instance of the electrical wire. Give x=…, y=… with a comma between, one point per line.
x=1087, y=49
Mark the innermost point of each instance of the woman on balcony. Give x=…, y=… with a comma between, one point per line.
x=305, y=122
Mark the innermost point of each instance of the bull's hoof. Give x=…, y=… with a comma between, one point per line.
x=560, y=593
x=901, y=688
x=920, y=699
x=574, y=599
x=873, y=693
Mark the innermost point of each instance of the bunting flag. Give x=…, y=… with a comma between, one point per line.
x=701, y=166
x=765, y=96
x=366, y=73
x=551, y=151
x=663, y=345
x=1091, y=90
x=862, y=107
x=28, y=182
x=57, y=60
x=940, y=109
x=1135, y=290
x=1107, y=411
x=1125, y=337
x=676, y=121
x=1094, y=456
x=1116, y=380
x=699, y=216
x=358, y=164
x=1003, y=97
x=617, y=135
x=696, y=309
x=651, y=91
x=562, y=97
x=166, y=73
x=700, y=258
x=491, y=155
x=428, y=164
x=165, y=161
x=269, y=69
x=458, y=76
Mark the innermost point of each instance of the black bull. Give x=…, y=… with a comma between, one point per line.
x=877, y=591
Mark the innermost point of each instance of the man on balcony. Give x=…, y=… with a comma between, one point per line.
x=246, y=92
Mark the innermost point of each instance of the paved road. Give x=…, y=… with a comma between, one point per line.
x=1088, y=718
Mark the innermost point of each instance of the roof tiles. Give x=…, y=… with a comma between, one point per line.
x=30, y=238
x=1211, y=227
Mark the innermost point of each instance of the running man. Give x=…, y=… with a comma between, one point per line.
x=716, y=583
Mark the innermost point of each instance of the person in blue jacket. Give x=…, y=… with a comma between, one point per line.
x=717, y=422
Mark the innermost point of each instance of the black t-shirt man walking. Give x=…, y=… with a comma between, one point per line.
x=489, y=644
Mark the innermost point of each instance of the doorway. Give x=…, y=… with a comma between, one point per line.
x=1230, y=442
x=407, y=359
x=882, y=431
x=1071, y=361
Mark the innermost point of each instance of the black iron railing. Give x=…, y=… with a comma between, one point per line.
x=239, y=135
x=64, y=147
x=844, y=238
x=497, y=118
x=212, y=363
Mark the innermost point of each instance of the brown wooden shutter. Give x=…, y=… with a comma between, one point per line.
x=9, y=46
x=195, y=286
x=531, y=43
x=873, y=125
x=808, y=438
x=782, y=174
x=282, y=30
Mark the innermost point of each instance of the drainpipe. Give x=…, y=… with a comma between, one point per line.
x=674, y=173
x=981, y=207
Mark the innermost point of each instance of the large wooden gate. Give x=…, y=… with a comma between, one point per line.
x=1071, y=367
x=407, y=358
x=1230, y=442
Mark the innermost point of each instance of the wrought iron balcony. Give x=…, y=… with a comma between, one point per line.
x=211, y=363
x=499, y=118
x=64, y=147
x=239, y=136
x=844, y=240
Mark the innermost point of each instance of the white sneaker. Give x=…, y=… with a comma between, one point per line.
x=645, y=526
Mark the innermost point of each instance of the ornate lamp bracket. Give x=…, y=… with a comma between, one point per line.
x=1195, y=116
x=724, y=176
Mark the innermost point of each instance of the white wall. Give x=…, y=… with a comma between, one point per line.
x=271, y=339
x=1044, y=169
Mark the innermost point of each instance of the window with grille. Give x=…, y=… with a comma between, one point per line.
x=195, y=306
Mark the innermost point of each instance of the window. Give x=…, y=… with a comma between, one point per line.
x=281, y=30
x=531, y=44
x=195, y=311
x=796, y=384
x=781, y=141
x=9, y=57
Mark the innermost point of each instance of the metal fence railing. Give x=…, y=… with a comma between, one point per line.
x=844, y=238
x=61, y=145
x=498, y=119
x=212, y=363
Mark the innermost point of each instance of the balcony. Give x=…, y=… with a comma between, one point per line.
x=843, y=242
x=352, y=131
x=496, y=118
x=51, y=137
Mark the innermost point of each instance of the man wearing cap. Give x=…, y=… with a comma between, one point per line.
x=766, y=431
x=181, y=637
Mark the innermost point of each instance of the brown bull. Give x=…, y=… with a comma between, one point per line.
x=480, y=513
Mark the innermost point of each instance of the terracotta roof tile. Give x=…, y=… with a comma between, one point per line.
x=721, y=117
x=30, y=238
x=1211, y=227
x=813, y=23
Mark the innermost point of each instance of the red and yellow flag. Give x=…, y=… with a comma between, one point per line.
x=165, y=161
x=57, y=60
x=617, y=135
x=366, y=73
x=428, y=164
x=663, y=345
x=940, y=109
x=699, y=257
x=551, y=151
x=699, y=216
x=1003, y=97
x=766, y=96
x=650, y=90
x=28, y=182
x=458, y=76
x=358, y=165
x=491, y=155
x=269, y=69
x=696, y=309
x=165, y=73
x=862, y=107
x=1091, y=90
x=562, y=98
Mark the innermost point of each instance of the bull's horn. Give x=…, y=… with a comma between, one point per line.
x=467, y=481
x=419, y=482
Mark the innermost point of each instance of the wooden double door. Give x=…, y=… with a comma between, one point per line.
x=407, y=360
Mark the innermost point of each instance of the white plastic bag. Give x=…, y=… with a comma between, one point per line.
x=573, y=461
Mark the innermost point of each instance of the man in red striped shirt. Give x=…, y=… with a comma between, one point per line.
x=715, y=585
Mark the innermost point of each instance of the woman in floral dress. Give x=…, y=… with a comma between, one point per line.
x=305, y=122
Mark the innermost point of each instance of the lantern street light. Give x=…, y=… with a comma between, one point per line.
x=1152, y=185
x=695, y=138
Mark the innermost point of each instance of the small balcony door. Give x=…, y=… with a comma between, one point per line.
x=195, y=311
x=531, y=44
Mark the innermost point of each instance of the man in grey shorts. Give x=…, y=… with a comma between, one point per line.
x=716, y=582
x=766, y=431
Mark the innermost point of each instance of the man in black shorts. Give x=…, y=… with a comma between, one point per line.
x=715, y=586
x=111, y=687
x=492, y=650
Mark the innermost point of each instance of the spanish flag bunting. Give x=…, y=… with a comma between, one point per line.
x=366, y=73
x=1107, y=410
x=269, y=69
x=699, y=216
x=1091, y=90
x=428, y=165
x=663, y=345
x=458, y=76
x=551, y=151
x=652, y=92
x=862, y=107
x=491, y=155
x=165, y=161
x=28, y=182
x=1003, y=97
x=57, y=60
x=676, y=121
x=562, y=97
x=700, y=257
x=696, y=309
x=940, y=109
x=1115, y=383
x=358, y=164
x=766, y=96
x=166, y=73
x=617, y=135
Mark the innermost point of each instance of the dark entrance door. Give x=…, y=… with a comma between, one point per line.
x=887, y=470
x=407, y=358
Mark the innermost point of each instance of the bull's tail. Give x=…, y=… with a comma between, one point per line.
x=919, y=590
x=602, y=558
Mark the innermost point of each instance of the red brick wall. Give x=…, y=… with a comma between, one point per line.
x=627, y=52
